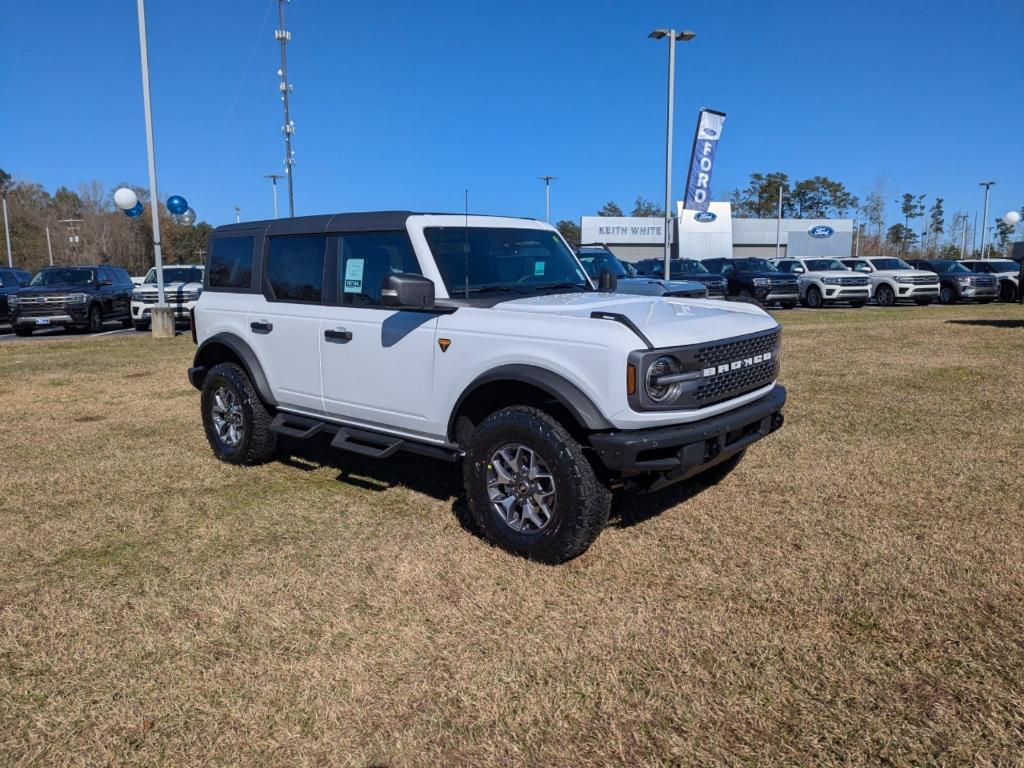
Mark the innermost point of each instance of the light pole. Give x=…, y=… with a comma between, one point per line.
x=778, y=228
x=162, y=317
x=672, y=36
x=273, y=180
x=984, y=217
x=7, y=229
x=547, y=196
x=49, y=246
x=284, y=37
x=238, y=214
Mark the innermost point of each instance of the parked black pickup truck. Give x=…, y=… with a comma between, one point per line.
x=757, y=280
x=72, y=297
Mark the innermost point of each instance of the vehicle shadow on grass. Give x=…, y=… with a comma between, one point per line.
x=442, y=480
x=989, y=323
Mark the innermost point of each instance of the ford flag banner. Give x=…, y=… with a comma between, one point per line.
x=702, y=162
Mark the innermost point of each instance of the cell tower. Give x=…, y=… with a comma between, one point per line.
x=283, y=36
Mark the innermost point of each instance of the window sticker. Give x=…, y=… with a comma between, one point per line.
x=538, y=268
x=354, y=276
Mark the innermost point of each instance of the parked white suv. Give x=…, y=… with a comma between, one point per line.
x=477, y=339
x=894, y=280
x=183, y=284
x=1004, y=270
x=826, y=281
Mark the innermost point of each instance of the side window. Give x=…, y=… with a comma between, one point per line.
x=106, y=275
x=295, y=268
x=726, y=269
x=123, y=278
x=231, y=262
x=785, y=266
x=365, y=259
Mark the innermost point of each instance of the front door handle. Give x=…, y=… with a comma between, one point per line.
x=339, y=335
x=261, y=327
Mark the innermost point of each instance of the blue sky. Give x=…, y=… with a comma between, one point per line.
x=404, y=104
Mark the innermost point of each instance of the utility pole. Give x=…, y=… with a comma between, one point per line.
x=7, y=228
x=547, y=196
x=856, y=241
x=984, y=217
x=162, y=316
x=74, y=238
x=672, y=36
x=49, y=246
x=778, y=227
x=283, y=37
x=238, y=214
x=974, y=234
x=273, y=180
x=963, y=241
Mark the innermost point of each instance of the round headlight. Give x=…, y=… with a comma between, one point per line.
x=660, y=392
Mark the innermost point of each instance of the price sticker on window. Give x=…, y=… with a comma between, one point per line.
x=354, y=276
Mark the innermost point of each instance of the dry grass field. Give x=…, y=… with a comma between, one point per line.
x=852, y=594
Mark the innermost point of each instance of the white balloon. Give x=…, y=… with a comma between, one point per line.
x=188, y=218
x=1011, y=218
x=125, y=199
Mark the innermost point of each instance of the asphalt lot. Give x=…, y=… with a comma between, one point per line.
x=56, y=334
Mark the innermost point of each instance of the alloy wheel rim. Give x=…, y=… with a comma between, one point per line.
x=226, y=411
x=813, y=298
x=521, y=488
x=887, y=296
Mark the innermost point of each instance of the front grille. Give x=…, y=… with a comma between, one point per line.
x=782, y=282
x=734, y=383
x=920, y=280
x=39, y=301
x=984, y=282
x=172, y=298
x=727, y=352
x=861, y=281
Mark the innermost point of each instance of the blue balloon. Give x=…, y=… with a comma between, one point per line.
x=177, y=204
x=134, y=211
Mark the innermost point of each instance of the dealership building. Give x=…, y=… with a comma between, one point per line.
x=716, y=234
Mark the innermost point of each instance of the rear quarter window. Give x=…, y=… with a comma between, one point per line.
x=231, y=260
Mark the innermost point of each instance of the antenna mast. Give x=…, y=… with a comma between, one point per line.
x=283, y=36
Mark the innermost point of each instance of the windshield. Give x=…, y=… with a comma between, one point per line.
x=595, y=261
x=754, y=265
x=890, y=264
x=821, y=265
x=687, y=267
x=946, y=267
x=63, y=277
x=177, y=275
x=503, y=259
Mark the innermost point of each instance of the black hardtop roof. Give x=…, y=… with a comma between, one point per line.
x=369, y=221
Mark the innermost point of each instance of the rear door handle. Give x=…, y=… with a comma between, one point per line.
x=261, y=327
x=339, y=335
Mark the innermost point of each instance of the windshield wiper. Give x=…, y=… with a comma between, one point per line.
x=499, y=289
x=559, y=286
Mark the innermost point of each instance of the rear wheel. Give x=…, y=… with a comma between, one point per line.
x=531, y=489
x=812, y=298
x=22, y=331
x=885, y=296
x=1007, y=292
x=236, y=421
x=947, y=295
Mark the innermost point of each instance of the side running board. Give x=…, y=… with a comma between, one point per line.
x=374, y=445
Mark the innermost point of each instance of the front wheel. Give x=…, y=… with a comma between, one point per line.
x=95, y=319
x=812, y=298
x=947, y=295
x=237, y=423
x=1007, y=292
x=531, y=489
x=885, y=296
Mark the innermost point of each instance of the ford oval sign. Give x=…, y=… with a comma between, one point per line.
x=821, y=231
x=704, y=216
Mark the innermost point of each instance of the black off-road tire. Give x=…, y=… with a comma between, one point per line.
x=1007, y=292
x=885, y=296
x=22, y=331
x=582, y=501
x=258, y=443
x=95, y=324
x=813, y=298
x=947, y=295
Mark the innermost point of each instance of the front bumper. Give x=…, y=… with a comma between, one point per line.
x=675, y=453
x=52, y=318
x=917, y=291
x=783, y=293
x=979, y=292
x=838, y=293
x=141, y=310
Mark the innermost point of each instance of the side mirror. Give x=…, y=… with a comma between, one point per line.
x=102, y=283
x=407, y=291
x=865, y=269
x=798, y=270
x=606, y=281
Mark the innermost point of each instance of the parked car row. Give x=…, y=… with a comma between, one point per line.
x=818, y=282
x=85, y=297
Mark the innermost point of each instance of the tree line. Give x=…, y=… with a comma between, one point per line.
x=87, y=228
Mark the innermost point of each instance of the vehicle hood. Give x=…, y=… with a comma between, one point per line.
x=652, y=286
x=833, y=273
x=177, y=286
x=902, y=273
x=60, y=288
x=666, y=322
x=770, y=275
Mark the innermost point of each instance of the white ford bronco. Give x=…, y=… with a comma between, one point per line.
x=476, y=339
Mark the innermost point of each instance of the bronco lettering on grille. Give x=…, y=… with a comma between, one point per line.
x=736, y=365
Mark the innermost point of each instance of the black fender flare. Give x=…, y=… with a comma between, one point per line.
x=558, y=387
x=243, y=352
